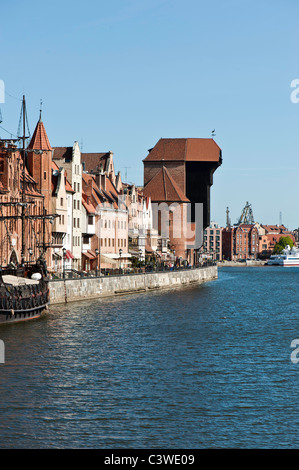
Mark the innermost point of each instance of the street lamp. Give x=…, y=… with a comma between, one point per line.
x=97, y=255
x=30, y=253
x=140, y=258
x=120, y=254
x=64, y=253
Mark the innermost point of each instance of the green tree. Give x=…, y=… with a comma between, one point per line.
x=282, y=243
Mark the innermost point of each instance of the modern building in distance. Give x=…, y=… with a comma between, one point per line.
x=212, y=246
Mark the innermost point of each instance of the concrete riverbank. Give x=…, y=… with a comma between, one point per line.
x=73, y=290
x=245, y=264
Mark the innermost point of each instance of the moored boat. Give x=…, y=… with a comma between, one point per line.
x=24, y=293
x=288, y=257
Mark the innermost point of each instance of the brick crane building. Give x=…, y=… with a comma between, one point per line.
x=179, y=173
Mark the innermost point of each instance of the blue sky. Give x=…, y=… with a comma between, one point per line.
x=119, y=75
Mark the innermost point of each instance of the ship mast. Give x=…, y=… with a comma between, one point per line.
x=23, y=177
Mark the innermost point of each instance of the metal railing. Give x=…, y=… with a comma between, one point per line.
x=75, y=274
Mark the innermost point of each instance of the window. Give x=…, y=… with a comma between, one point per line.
x=90, y=220
x=45, y=175
x=74, y=204
x=74, y=222
x=61, y=201
x=78, y=205
x=78, y=222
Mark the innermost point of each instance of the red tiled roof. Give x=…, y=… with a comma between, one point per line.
x=68, y=187
x=194, y=149
x=163, y=188
x=40, y=139
x=274, y=228
x=63, y=153
x=94, y=161
x=87, y=204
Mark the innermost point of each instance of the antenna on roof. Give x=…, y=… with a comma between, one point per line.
x=126, y=173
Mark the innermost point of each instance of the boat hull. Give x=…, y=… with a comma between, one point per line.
x=22, y=315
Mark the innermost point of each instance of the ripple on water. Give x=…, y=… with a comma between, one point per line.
x=201, y=367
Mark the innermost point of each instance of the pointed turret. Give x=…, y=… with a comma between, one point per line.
x=40, y=161
x=40, y=139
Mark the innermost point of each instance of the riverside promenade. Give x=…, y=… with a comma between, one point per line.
x=84, y=288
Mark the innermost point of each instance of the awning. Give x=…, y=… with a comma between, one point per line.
x=57, y=255
x=69, y=254
x=149, y=249
x=116, y=255
x=88, y=255
x=105, y=259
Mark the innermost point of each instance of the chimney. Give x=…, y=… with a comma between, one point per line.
x=101, y=180
x=88, y=189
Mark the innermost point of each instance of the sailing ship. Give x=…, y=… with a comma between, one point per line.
x=24, y=286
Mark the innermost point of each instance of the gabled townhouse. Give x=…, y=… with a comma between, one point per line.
x=70, y=159
x=89, y=257
x=62, y=194
x=111, y=238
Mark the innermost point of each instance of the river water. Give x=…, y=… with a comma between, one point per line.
x=190, y=368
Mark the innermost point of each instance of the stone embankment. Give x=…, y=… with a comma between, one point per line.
x=244, y=264
x=73, y=290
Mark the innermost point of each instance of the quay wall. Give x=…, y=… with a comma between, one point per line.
x=73, y=290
